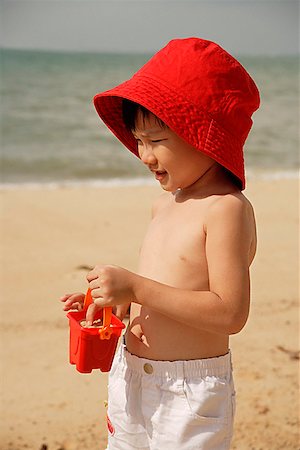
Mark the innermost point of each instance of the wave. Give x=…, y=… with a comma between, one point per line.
x=108, y=183
x=137, y=181
x=273, y=175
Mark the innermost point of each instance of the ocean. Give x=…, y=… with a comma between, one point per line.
x=51, y=134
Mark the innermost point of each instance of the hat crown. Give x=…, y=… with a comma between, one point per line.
x=210, y=78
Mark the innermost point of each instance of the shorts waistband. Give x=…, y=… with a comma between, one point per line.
x=220, y=366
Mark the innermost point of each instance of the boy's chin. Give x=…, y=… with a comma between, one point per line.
x=168, y=188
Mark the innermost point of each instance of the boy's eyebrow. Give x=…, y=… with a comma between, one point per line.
x=148, y=132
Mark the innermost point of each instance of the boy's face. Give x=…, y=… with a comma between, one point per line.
x=174, y=162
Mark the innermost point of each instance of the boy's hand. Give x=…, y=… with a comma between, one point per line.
x=73, y=301
x=119, y=311
x=111, y=286
x=76, y=301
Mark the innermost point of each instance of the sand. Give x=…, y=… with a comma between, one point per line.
x=49, y=240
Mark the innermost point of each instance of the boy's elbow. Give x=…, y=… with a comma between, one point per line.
x=237, y=322
x=236, y=328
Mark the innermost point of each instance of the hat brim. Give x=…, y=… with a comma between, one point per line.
x=189, y=122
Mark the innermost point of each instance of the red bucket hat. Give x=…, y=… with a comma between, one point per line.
x=199, y=91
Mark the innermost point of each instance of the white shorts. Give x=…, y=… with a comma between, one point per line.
x=162, y=405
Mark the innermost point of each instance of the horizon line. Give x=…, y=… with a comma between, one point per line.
x=129, y=52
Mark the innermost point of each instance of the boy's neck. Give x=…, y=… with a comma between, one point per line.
x=215, y=181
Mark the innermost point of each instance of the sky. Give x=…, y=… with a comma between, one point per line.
x=256, y=27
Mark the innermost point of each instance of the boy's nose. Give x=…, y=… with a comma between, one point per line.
x=147, y=155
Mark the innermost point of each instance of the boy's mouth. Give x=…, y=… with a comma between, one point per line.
x=160, y=174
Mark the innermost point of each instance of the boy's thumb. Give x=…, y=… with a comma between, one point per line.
x=90, y=314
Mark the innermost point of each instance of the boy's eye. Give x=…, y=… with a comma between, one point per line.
x=153, y=141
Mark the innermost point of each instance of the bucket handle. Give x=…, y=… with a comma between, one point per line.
x=105, y=331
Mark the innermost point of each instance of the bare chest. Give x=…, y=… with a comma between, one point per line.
x=173, y=251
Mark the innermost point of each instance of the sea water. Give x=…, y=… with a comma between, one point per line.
x=51, y=134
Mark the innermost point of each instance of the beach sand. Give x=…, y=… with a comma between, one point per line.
x=51, y=237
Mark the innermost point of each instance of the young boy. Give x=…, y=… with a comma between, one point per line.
x=186, y=114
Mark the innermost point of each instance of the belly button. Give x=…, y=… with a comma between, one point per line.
x=143, y=339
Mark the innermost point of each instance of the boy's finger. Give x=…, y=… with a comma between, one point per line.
x=92, y=275
x=68, y=306
x=90, y=314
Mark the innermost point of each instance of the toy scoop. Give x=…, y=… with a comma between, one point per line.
x=93, y=347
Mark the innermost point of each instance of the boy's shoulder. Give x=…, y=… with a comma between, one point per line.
x=230, y=202
x=231, y=199
x=232, y=210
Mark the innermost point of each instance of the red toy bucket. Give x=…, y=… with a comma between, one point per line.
x=93, y=348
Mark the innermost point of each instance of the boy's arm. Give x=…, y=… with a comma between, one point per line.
x=224, y=307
